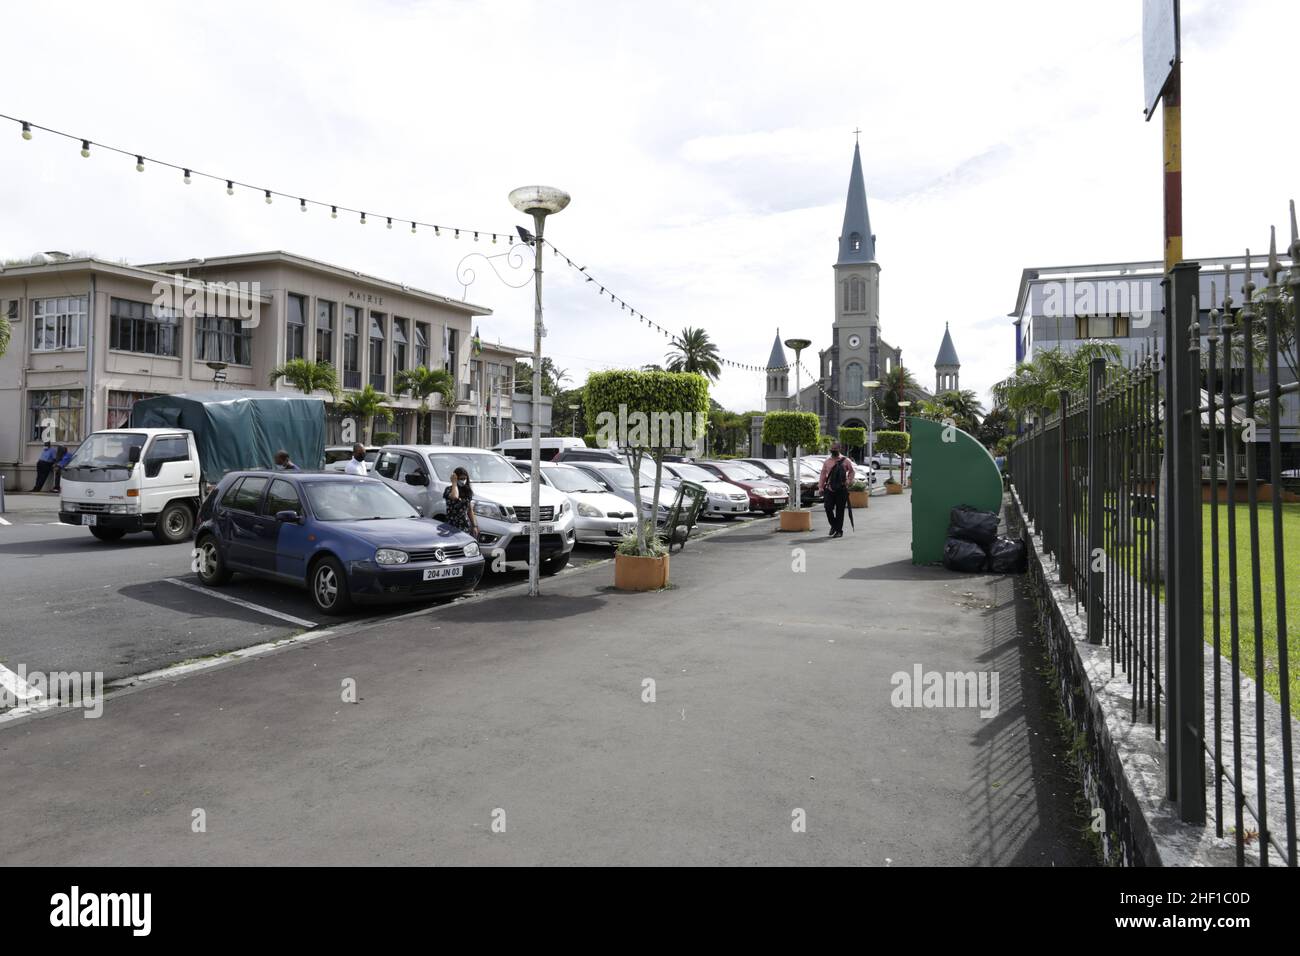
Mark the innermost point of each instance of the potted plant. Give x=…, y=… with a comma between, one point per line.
x=893, y=443
x=645, y=413
x=793, y=430
x=859, y=495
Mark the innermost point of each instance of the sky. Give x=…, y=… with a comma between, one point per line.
x=707, y=149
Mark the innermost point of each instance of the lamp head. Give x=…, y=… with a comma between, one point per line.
x=798, y=344
x=535, y=200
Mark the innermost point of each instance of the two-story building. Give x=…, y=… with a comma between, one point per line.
x=91, y=337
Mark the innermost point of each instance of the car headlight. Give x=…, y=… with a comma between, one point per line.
x=471, y=550
x=391, y=556
x=587, y=511
x=490, y=509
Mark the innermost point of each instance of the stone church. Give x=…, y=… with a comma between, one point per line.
x=857, y=353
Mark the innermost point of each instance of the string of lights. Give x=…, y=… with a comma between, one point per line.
x=880, y=412
x=605, y=292
x=190, y=173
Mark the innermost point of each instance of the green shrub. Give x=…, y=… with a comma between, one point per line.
x=386, y=438
x=851, y=437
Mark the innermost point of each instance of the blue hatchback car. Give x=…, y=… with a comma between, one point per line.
x=348, y=539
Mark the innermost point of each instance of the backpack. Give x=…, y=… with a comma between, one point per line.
x=835, y=480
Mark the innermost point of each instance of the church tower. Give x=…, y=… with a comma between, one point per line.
x=777, y=398
x=856, y=333
x=947, y=367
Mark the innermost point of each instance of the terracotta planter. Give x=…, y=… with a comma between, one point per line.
x=893, y=488
x=800, y=520
x=859, y=499
x=632, y=573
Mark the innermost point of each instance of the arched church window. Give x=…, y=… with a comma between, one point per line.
x=855, y=295
x=855, y=242
x=853, y=393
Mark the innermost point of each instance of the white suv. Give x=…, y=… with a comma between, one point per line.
x=421, y=473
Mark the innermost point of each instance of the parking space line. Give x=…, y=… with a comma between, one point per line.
x=17, y=688
x=301, y=622
x=3, y=521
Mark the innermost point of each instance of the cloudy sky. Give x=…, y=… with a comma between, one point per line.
x=706, y=147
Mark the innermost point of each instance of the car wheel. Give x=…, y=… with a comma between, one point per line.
x=174, y=524
x=209, y=565
x=552, y=565
x=329, y=586
x=108, y=534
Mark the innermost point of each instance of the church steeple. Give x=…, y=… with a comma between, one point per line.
x=778, y=388
x=947, y=367
x=857, y=244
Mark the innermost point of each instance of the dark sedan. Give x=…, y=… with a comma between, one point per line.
x=346, y=538
x=766, y=494
x=779, y=469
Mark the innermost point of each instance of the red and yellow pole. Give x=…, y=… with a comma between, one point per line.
x=1173, y=122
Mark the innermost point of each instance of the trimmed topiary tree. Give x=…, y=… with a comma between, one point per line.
x=893, y=443
x=646, y=413
x=793, y=430
x=851, y=437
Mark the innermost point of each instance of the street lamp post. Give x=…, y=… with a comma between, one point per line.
x=902, y=426
x=798, y=345
x=538, y=202
x=574, y=409
x=871, y=422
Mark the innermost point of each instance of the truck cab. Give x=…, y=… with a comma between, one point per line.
x=124, y=480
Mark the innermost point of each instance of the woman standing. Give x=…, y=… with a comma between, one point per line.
x=459, y=496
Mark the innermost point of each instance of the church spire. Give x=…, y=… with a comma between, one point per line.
x=777, y=359
x=857, y=244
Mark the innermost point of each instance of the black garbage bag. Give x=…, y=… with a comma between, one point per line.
x=971, y=524
x=1008, y=556
x=959, y=555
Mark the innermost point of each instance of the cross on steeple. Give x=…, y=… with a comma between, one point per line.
x=856, y=134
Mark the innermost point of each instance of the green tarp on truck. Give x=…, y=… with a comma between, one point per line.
x=241, y=429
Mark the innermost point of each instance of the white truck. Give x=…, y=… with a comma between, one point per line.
x=134, y=479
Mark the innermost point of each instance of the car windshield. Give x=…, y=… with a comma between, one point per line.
x=571, y=479
x=482, y=466
x=618, y=477
x=362, y=500
x=694, y=473
x=735, y=470
x=105, y=449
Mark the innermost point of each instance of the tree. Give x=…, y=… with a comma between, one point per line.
x=898, y=385
x=1037, y=382
x=649, y=413
x=793, y=430
x=307, y=377
x=422, y=383
x=995, y=426
x=893, y=443
x=693, y=352
x=851, y=437
x=369, y=406
x=552, y=377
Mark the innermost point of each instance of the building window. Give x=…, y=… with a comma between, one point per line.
x=855, y=295
x=1101, y=326
x=399, y=344
x=324, y=331
x=222, y=340
x=421, y=345
x=855, y=242
x=377, y=351
x=351, y=347
x=296, y=327
x=59, y=323
x=449, y=350
x=56, y=415
x=140, y=327
x=853, y=393
x=120, y=405
x=466, y=433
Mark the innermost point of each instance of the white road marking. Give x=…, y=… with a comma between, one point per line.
x=60, y=524
x=17, y=688
x=301, y=622
x=3, y=521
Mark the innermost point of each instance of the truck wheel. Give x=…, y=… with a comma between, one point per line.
x=108, y=534
x=210, y=565
x=174, y=524
x=329, y=586
x=552, y=565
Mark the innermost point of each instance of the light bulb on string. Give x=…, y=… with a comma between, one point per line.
x=230, y=188
x=27, y=130
x=334, y=212
x=187, y=177
x=363, y=219
x=390, y=222
x=436, y=232
x=268, y=196
x=85, y=149
x=412, y=228
x=457, y=236
x=139, y=164
x=302, y=205
x=476, y=237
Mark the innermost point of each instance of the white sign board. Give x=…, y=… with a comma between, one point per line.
x=1159, y=49
x=521, y=410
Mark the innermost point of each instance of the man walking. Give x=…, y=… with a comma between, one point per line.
x=44, y=465
x=837, y=475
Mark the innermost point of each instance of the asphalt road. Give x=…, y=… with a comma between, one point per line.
x=773, y=701
x=71, y=602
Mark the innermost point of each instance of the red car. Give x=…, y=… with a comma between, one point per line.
x=766, y=494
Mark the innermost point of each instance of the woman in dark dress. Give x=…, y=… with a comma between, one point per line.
x=459, y=497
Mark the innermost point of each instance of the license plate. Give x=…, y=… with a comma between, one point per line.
x=546, y=529
x=435, y=574
x=90, y=520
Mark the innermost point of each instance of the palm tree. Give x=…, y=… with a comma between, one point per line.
x=307, y=377
x=1037, y=383
x=693, y=352
x=421, y=383
x=963, y=407
x=367, y=405
x=898, y=385
x=552, y=377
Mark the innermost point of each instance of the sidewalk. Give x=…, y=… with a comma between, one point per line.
x=773, y=695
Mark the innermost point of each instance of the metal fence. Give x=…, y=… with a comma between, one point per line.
x=1127, y=484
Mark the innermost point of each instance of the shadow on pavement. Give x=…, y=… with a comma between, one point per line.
x=169, y=597
x=903, y=570
x=75, y=544
x=520, y=610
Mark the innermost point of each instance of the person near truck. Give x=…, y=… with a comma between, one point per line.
x=283, y=462
x=837, y=475
x=356, y=465
x=44, y=465
x=63, y=457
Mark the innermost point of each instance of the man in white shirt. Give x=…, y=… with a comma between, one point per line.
x=356, y=465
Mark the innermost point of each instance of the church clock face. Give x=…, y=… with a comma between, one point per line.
x=854, y=341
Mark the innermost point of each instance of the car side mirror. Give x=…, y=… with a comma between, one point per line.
x=418, y=479
x=288, y=517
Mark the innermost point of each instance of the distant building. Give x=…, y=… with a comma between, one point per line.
x=91, y=337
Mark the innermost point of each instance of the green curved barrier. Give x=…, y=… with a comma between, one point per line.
x=948, y=473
